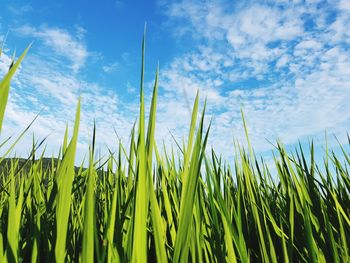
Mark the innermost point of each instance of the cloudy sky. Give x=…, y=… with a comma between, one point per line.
x=286, y=63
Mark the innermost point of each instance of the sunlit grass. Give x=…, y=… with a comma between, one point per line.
x=196, y=209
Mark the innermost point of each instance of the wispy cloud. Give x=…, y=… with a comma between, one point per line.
x=61, y=42
x=130, y=88
x=119, y=4
x=111, y=67
x=20, y=9
x=5, y=62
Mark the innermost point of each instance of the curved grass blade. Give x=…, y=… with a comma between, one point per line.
x=5, y=85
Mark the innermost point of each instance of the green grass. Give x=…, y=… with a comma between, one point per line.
x=166, y=208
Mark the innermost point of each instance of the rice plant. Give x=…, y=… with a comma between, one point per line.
x=188, y=208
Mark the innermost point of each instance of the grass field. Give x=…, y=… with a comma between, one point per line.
x=146, y=206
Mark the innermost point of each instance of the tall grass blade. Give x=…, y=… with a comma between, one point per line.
x=141, y=202
x=64, y=180
x=5, y=85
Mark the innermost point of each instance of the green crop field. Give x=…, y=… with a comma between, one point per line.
x=145, y=204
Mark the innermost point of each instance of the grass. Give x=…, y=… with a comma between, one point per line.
x=159, y=207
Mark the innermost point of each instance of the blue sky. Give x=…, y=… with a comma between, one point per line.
x=287, y=63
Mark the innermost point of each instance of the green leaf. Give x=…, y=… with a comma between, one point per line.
x=5, y=85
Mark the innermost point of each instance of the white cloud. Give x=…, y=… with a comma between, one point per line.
x=20, y=9
x=54, y=92
x=61, y=42
x=110, y=68
x=119, y=4
x=289, y=74
x=344, y=5
x=296, y=55
x=5, y=62
x=309, y=45
x=282, y=61
x=130, y=88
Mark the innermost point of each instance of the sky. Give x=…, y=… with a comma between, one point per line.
x=285, y=63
